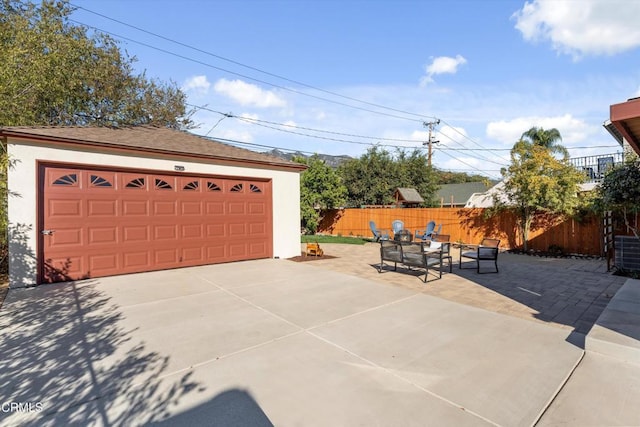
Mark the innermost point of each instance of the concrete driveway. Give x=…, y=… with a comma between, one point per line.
x=269, y=342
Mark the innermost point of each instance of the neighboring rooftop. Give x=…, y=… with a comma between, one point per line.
x=459, y=194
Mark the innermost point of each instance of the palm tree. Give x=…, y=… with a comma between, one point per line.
x=548, y=139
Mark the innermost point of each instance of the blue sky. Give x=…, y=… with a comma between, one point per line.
x=335, y=77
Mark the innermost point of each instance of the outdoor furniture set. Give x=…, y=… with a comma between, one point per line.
x=415, y=255
x=397, y=227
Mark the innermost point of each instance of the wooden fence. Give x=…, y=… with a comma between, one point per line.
x=471, y=225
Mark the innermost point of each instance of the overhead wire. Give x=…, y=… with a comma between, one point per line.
x=263, y=123
x=373, y=104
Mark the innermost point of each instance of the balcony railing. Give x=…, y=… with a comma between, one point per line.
x=595, y=167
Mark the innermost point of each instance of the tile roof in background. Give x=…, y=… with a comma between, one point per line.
x=148, y=139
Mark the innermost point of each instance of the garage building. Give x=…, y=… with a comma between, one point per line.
x=89, y=202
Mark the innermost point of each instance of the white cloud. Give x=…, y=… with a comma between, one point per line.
x=442, y=65
x=197, y=84
x=247, y=94
x=508, y=132
x=579, y=28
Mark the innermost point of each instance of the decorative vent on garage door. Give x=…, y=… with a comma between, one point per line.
x=193, y=186
x=162, y=185
x=212, y=186
x=69, y=179
x=135, y=183
x=255, y=189
x=98, y=181
x=236, y=188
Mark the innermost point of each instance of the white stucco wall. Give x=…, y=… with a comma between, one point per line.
x=23, y=207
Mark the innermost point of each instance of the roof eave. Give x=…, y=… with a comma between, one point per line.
x=625, y=117
x=9, y=133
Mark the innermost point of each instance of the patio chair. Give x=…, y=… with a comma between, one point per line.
x=377, y=233
x=423, y=234
x=445, y=242
x=397, y=226
x=486, y=251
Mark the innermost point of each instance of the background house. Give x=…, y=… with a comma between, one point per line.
x=91, y=202
x=457, y=195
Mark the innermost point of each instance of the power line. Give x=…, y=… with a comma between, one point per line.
x=283, y=88
x=262, y=124
x=251, y=67
x=266, y=73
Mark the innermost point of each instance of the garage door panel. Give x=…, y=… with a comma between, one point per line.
x=134, y=233
x=193, y=231
x=215, y=230
x=65, y=237
x=65, y=208
x=164, y=232
x=257, y=208
x=237, y=250
x=215, y=208
x=164, y=207
x=102, y=235
x=216, y=252
x=191, y=208
x=136, y=261
x=191, y=255
x=257, y=229
x=236, y=208
x=257, y=249
x=135, y=207
x=66, y=267
x=237, y=229
x=113, y=222
x=165, y=257
x=99, y=264
x=101, y=207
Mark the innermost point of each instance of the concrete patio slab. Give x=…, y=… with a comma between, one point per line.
x=325, y=298
x=601, y=392
x=442, y=347
x=287, y=343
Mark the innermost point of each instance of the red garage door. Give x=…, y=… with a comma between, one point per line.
x=103, y=222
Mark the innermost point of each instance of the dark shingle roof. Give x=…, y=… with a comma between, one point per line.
x=148, y=139
x=460, y=192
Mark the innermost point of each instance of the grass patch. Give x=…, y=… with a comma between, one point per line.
x=313, y=238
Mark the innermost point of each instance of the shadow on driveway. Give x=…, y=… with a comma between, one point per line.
x=61, y=347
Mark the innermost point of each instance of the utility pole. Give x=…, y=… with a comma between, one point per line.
x=431, y=140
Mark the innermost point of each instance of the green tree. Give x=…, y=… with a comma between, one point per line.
x=619, y=191
x=370, y=179
x=549, y=139
x=55, y=73
x=414, y=172
x=537, y=182
x=373, y=178
x=321, y=188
